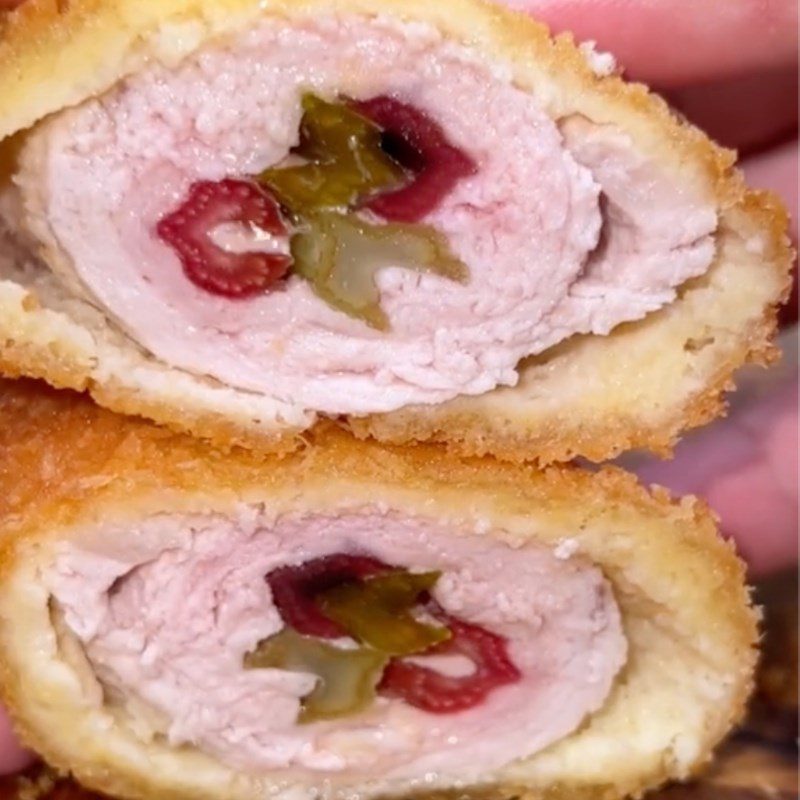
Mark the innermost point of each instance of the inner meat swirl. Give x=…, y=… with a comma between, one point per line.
x=558, y=226
x=195, y=626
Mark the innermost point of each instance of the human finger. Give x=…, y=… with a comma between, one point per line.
x=746, y=467
x=777, y=170
x=13, y=757
x=673, y=42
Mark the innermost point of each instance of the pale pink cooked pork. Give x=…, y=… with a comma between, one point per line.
x=564, y=227
x=167, y=608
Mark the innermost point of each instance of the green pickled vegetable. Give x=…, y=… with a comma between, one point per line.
x=347, y=678
x=378, y=612
x=341, y=255
x=344, y=161
x=333, y=248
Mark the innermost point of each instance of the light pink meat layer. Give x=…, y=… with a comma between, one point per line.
x=526, y=224
x=167, y=609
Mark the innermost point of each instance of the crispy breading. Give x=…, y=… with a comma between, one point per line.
x=686, y=609
x=591, y=396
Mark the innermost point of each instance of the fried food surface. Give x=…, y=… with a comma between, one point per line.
x=591, y=396
x=686, y=609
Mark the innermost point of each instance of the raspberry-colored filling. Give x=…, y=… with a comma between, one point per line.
x=356, y=155
x=419, y=144
x=294, y=590
x=300, y=591
x=208, y=206
x=438, y=693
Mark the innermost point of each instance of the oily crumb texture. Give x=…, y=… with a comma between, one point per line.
x=591, y=396
x=691, y=629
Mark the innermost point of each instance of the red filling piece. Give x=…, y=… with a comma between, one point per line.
x=210, y=267
x=419, y=144
x=409, y=136
x=436, y=693
x=294, y=590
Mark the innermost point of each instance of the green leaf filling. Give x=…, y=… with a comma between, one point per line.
x=334, y=249
x=347, y=677
x=344, y=161
x=341, y=255
x=378, y=612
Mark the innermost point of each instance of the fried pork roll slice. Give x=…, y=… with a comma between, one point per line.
x=426, y=220
x=353, y=619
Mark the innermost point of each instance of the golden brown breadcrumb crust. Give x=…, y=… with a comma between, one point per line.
x=686, y=609
x=216, y=427
x=53, y=56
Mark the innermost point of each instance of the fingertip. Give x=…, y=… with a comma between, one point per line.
x=13, y=757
